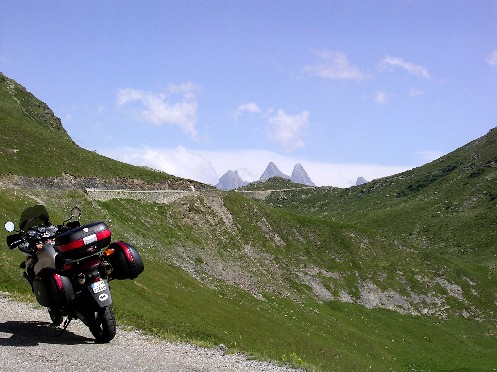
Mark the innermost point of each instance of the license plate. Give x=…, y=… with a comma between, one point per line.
x=98, y=286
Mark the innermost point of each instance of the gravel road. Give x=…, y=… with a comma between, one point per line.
x=29, y=343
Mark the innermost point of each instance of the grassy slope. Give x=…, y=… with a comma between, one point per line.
x=448, y=206
x=327, y=335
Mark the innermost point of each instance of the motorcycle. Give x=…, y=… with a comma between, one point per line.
x=69, y=267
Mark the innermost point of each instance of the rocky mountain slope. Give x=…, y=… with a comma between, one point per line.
x=272, y=171
x=299, y=175
x=230, y=181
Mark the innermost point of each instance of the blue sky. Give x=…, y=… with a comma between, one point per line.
x=197, y=88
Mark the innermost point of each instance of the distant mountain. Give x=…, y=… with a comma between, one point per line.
x=272, y=171
x=360, y=181
x=299, y=175
x=231, y=180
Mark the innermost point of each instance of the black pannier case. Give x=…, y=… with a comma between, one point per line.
x=126, y=261
x=83, y=240
x=53, y=290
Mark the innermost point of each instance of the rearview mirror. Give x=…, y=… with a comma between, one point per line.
x=76, y=212
x=9, y=226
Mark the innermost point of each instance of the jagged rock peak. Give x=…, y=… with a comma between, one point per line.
x=230, y=181
x=272, y=171
x=360, y=181
x=299, y=175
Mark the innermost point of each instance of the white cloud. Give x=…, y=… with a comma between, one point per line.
x=381, y=98
x=412, y=69
x=492, y=58
x=209, y=166
x=157, y=108
x=250, y=107
x=185, y=88
x=287, y=130
x=176, y=161
x=335, y=66
x=415, y=92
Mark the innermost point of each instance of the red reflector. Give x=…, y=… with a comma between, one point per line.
x=103, y=234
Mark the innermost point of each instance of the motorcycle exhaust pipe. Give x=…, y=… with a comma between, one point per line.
x=81, y=278
x=106, y=268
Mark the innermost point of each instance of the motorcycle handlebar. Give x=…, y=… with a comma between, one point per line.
x=14, y=242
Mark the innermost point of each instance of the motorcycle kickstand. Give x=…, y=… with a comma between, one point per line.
x=26, y=276
x=64, y=327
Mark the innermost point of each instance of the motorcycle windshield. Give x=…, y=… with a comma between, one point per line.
x=34, y=216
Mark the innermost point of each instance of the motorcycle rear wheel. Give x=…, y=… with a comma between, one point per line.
x=103, y=327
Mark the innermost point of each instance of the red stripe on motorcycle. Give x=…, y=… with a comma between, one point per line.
x=81, y=242
x=126, y=251
x=72, y=245
x=103, y=234
x=58, y=282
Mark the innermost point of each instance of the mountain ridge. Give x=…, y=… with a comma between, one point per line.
x=231, y=179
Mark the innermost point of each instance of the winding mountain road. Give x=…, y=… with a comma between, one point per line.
x=29, y=343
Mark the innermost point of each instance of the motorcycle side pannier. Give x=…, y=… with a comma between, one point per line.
x=125, y=260
x=83, y=240
x=53, y=290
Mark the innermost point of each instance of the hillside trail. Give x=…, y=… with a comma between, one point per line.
x=29, y=343
x=169, y=196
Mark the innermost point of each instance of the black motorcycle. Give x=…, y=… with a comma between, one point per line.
x=69, y=267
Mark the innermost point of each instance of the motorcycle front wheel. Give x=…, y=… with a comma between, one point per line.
x=103, y=327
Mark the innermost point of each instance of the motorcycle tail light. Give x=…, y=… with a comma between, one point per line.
x=81, y=278
x=109, y=251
